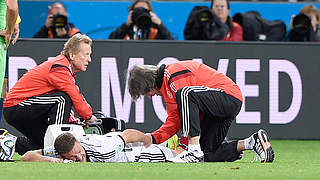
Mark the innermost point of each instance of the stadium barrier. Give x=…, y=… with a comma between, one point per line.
x=280, y=81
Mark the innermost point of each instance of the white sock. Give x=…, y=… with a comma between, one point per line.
x=194, y=147
x=248, y=143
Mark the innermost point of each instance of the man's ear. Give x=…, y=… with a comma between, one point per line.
x=71, y=56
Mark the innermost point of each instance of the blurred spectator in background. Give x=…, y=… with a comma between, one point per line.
x=304, y=26
x=203, y=24
x=57, y=25
x=222, y=9
x=212, y=23
x=313, y=13
x=142, y=23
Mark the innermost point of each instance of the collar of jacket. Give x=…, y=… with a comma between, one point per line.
x=70, y=66
x=159, y=78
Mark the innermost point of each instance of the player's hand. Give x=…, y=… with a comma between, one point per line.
x=56, y=160
x=147, y=140
x=16, y=33
x=7, y=36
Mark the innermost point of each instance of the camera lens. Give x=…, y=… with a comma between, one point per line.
x=141, y=17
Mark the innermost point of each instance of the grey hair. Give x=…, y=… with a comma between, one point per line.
x=73, y=44
x=142, y=79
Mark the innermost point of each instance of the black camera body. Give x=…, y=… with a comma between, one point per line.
x=142, y=18
x=302, y=29
x=105, y=124
x=59, y=21
x=205, y=16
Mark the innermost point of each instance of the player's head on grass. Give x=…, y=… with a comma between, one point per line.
x=68, y=147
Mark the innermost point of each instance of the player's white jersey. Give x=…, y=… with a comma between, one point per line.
x=111, y=148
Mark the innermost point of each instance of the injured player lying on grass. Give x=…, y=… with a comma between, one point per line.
x=127, y=146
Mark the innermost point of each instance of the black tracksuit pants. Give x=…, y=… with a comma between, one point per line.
x=218, y=110
x=33, y=116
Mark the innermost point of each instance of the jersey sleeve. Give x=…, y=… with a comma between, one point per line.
x=50, y=152
x=170, y=127
x=114, y=143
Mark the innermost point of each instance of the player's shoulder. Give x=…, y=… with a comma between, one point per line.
x=97, y=137
x=100, y=139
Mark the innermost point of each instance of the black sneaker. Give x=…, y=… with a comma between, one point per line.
x=262, y=146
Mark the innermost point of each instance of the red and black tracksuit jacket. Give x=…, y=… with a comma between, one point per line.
x=53, y=75
x=187, y=73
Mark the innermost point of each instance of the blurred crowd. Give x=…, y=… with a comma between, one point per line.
x=204, y=23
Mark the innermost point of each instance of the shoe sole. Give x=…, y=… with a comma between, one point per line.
x=264, y=139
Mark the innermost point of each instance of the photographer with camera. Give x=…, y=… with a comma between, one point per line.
x=142, y=23
x=304, y=26
x=213, y=23
x=222, y=9
x=57, y=25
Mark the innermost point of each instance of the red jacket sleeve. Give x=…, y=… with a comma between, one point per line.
x=170, y=127
x=62, y=80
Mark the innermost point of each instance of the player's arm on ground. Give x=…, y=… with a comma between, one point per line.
x=132, y=135
x=37, y=156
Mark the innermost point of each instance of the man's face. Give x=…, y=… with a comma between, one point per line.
x=81, y=60
x=57, y=8
x=220, y=8
x=76, y=154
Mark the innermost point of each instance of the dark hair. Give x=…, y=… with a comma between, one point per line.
x=137, y=1
x=142, y=79
x=64, y=143
x=228, y=4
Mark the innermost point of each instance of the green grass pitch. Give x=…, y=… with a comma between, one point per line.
x=294, y=159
